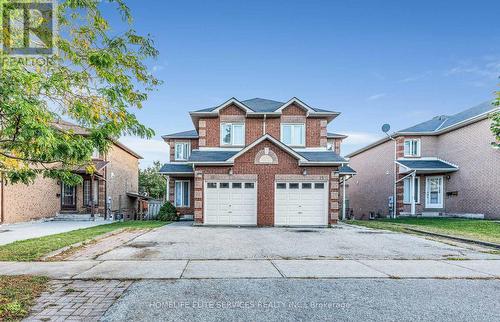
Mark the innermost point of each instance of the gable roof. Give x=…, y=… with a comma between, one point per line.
x=335, y=135
x=222, y=157
x=443, y=122
x=440, y=124
x=191, y=134
x=262, y=105
x=65, y=126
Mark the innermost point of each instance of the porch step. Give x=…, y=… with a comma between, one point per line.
x=75, y=217
x=186, y=218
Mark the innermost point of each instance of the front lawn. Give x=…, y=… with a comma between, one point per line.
x=35, y=248
x=18, y=294
x=483, y=230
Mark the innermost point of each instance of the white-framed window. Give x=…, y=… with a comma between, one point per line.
x=182, y=193
x=86, y=193
x=434, y=192
x=407, y=190
x=293, y=134
x=182, y=151
x=412, y=148
x=232, y=134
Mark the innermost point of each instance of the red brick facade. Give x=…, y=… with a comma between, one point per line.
x=266, y=174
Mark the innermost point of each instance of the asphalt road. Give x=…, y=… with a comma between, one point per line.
x=309, y=299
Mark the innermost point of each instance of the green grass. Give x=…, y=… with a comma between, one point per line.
x=18, y=294
x=35, y=248
x=483, y=230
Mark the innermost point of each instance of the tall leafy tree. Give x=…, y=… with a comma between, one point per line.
x=97, y=78
x=495, y=122
x=152, y=182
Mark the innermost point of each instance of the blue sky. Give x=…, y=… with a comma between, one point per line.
x=397, y=62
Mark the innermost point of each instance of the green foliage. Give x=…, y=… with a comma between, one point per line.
x=495, y=122
x=96, y=79
x=18, y=294
x=152, y=182
x=167, y=212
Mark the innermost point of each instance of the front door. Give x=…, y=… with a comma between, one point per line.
x=68, y=197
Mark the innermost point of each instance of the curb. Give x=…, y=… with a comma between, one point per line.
x=471, y=241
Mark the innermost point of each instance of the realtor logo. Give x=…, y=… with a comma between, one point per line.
x=28, y=28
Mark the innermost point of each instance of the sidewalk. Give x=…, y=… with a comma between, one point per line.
x=230, y=269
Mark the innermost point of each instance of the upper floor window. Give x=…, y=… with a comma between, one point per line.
x=293, y=134
x=182, y=151
x=412, y=148
x=232, y=134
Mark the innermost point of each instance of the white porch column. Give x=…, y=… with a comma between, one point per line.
x=343, y=198
x=413, y=177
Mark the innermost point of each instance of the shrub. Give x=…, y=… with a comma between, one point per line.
x=167, y=212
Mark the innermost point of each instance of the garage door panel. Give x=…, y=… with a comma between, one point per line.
x=303, y=205
x=235, y=203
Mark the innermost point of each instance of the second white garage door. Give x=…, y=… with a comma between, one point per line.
x=230, y=203
x=301, y=204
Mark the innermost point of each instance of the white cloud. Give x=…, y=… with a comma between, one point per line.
x=416, y=77
x=488, y=70
x=376, y=96
x=361, y=138
x=151, y=150
x=358, y=140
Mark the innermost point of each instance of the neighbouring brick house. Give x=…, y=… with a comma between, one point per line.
x=447, y=164
x=115, y=183
x=257, y=162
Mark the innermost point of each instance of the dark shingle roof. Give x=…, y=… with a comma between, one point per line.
x=335, y=135
x=346, y=170
x=326, y=156
x=262, y=105
x=182, y=135
x=442, y=122
x=210, y=156
x=427, y=164
x=176, y=168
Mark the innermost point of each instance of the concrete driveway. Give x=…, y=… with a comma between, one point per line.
x=182, y=241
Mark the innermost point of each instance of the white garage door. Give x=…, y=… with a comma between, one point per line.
x=301, y=204
x=230, y=203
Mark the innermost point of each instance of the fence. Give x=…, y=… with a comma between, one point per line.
x=153, y=208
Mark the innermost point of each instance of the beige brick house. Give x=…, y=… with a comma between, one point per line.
x=257, y=162
x=114, y=189
x=444, y=166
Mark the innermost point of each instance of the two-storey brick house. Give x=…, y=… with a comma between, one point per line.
x=257, y=162
x=447, y=164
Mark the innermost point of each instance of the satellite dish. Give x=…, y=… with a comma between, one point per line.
x=386, y=128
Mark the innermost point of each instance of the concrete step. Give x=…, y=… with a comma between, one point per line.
x=75, y=217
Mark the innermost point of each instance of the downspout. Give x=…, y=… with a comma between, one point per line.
x=394, y=199
x=413, y=193
x=264, y=125
x=343, y=198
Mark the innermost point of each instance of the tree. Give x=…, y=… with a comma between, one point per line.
x=152, y=182
x=96, y=79
x=495, y=121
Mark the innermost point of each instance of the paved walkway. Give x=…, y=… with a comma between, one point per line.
x=77, y=300
x=230, y=269
x=14, y=232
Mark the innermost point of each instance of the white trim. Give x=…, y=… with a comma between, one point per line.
x=427, y=193
x=298, y=102
x=412, y=141
x=182, y=192
x=273, y=140
x=292, y=133
x=232, y=124
x=229, y=102
x=219, y=148
x=417, y=178
x=183, y=143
